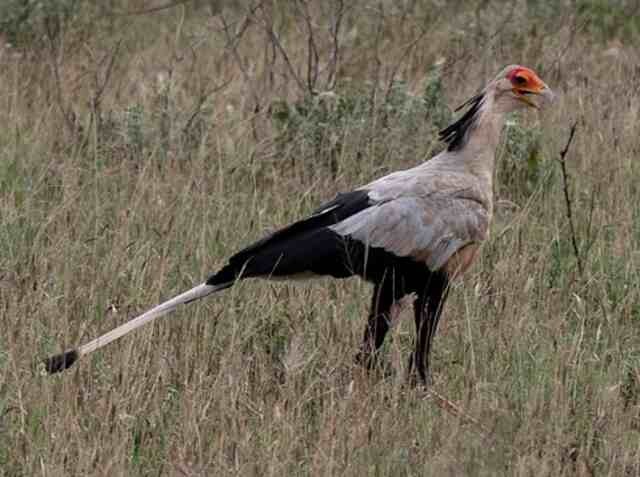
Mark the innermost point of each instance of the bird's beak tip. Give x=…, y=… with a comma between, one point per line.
x=548, y=95
x=544, y=97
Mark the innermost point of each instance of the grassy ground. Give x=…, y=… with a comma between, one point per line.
x=138, y=151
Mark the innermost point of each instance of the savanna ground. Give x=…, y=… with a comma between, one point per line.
x=138, y=149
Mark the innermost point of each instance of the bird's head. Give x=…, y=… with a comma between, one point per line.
x=518, y=87
x=515, y=88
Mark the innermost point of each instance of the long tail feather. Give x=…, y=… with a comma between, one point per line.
x=60, y=362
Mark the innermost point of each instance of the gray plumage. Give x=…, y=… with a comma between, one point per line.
x=426, y=213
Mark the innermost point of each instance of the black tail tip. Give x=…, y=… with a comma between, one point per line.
x=61, y=361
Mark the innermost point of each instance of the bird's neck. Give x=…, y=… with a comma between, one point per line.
x=473, y=139
x=478, y=154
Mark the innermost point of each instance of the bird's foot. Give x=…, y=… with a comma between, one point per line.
x=417, y=378
x=416, y=381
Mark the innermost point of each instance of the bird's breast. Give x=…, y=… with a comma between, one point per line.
x=460, y=261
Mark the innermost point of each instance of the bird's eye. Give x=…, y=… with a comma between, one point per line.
x=520, y=80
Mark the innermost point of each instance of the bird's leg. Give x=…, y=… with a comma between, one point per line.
x=417, y=358
x=427, y=310
x=378, y=324
x=397, y=307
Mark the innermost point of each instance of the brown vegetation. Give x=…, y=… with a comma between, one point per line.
x=137, y=151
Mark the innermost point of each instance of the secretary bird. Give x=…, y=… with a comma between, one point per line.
x=410, y=232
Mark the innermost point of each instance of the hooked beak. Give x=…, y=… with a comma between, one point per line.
x=541, y=91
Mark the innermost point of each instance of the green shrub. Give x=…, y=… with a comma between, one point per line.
x=24, y=20
x=522, y=164
x=608, y=19
x=324, y=127
x=134, y=123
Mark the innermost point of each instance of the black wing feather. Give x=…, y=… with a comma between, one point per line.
x=304, y=246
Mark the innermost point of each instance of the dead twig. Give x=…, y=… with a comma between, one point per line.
x=56, y=57
x=567, y=196
x=456, y=411
x=203, y=97
x=381, y=19
x=146, y=11
x=273, y=36
x=406, y=51
x=232, y=48
x=469, y=53
x=233, y=39
x=105, y=66
x=313, y=57
x=335, y=48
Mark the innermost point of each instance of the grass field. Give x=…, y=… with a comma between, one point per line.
x=138, y=151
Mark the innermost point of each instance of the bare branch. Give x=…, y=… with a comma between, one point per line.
x=378, y=62
x=146, y=11
x=232, y=46
x=469, y=53
x=202, y=99
x=100, y=84
x=567, y=197
x=268, y=26
x=335, y=49
x=456, y=411
x=407, y=51
x=55, y=57
x=313, y=58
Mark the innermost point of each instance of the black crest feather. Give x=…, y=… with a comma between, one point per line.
x=454, y=134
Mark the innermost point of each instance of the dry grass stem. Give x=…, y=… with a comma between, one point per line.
x=139, y=151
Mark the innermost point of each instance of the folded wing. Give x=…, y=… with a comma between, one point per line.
x=429, y=228
x=364, y=232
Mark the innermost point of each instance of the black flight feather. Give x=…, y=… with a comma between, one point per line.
x=304, y=246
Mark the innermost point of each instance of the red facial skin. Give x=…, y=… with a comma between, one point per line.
x=532, y=82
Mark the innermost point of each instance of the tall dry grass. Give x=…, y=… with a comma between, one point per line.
x=137, y=152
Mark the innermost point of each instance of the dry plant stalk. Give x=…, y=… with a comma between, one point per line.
x=456, y=411
x=567, y=197
x=204, y=394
